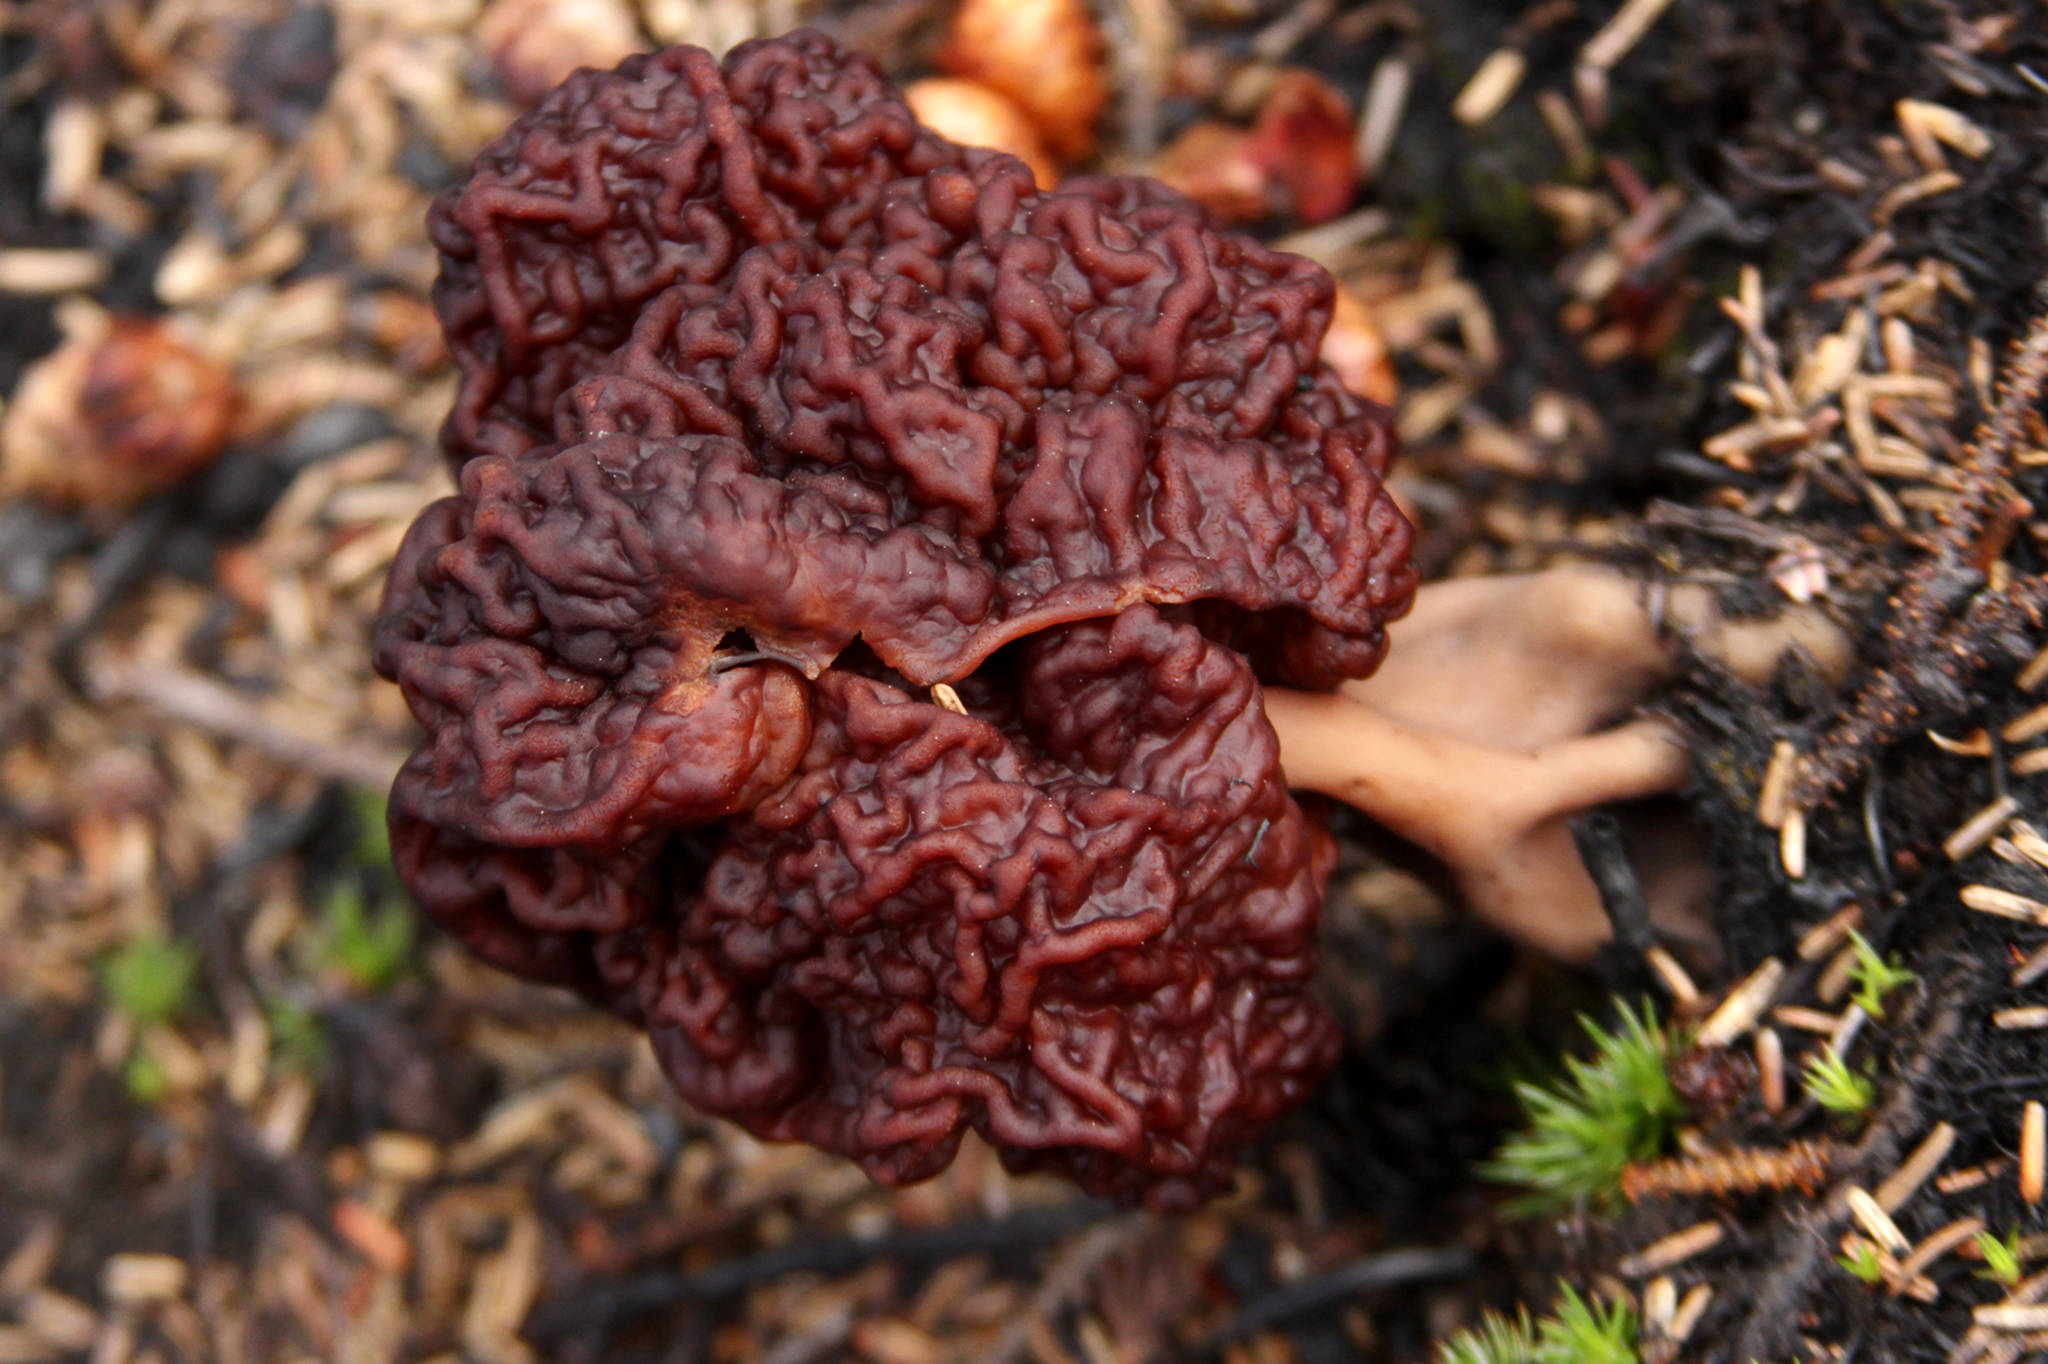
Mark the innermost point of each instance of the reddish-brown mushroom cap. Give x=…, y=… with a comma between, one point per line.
x=778, y=410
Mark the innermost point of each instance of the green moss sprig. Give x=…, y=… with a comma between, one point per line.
x=2001, y=1257
x=1829, y=1082
x=151, y=979
x=1864, y=1262
x=1873, y=976
x=1580, y=1331
x=1590, y=1124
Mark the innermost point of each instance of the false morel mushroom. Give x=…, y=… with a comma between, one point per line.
x=845, y=654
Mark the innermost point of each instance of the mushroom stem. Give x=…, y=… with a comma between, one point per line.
x=1498, y=817
x=1504, y=712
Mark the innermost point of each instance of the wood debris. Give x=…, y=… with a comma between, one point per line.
x=1915, y=1170
x=2033, y=1164
x=1802, y=1165
x=1744, y=1005
x=1672, y=1250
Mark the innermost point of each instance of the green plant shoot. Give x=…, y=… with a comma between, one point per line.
x=1496, y=1340
x=297, y=1040
x=2001, y=1257
x=1873, y=976
x=1830, y=1083
x=1863, y=1262
x=1583, y=1129
x=143, y=1076
x=1587, y=1332
x=370, y=948
x=150, y=978
x=1580, y=1331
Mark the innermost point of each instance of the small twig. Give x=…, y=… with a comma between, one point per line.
x=1873, y=828
x=1945, y=620
x=221, y=710
x=1624, y=960
x=1597, y=835
x=622, y=1299
x=129, y=555
x=1068, y=1277
x=1390, y=1270
x=824, y=1340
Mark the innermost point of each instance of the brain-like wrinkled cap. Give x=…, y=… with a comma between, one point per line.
x=778, y=410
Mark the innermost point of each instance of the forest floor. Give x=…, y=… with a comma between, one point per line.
x=1746, y=292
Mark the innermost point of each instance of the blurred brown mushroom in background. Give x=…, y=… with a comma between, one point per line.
x=1046, y=55
x=124, y=408
x=975, y=115
x=535, y=44
x=1357, y=349
x=1297, y=160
